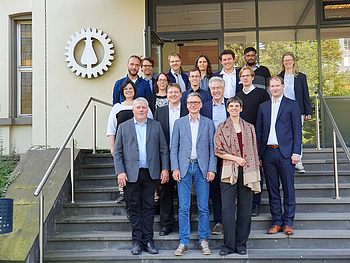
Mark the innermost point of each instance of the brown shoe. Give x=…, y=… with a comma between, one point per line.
x=288, y=230
x=274, y=230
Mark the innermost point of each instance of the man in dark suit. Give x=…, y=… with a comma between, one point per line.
x=215, y=110
x=147, y=66
x=229, y=73
x=176, y=74
x=166, y=116
x=141, y=156
x=278, y=129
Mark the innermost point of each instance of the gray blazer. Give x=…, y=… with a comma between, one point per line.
x=126, y=155
x=181, y=144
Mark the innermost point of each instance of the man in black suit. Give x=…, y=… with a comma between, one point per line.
x=167, y=116
x=141, y=158
x=215, y=110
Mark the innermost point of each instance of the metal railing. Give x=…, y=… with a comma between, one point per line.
x=336, y=134
x=39, y=189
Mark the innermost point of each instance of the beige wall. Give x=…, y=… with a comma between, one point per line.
x=123, y=21
x=7, y=133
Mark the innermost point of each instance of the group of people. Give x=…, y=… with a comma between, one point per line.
x=221, y=132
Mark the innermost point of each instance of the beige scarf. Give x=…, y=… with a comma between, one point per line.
x=226, y=141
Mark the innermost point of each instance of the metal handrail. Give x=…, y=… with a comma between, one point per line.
x=336, y=134
x=39, y=189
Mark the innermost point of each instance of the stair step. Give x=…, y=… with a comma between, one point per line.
x=312, y=239
x=253, y=255
x=262, y=222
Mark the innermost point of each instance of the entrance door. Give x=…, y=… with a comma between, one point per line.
x=190, y=50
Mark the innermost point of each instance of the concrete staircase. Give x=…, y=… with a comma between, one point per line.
x=95, y=228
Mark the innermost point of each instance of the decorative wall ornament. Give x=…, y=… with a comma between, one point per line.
x=89, y=64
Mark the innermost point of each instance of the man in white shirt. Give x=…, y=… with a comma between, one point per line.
x=229, y=73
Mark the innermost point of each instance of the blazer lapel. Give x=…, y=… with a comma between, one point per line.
x=283, y=103
x=148, y=130
x=133, y=130
x=188, y=127
x=200, y=127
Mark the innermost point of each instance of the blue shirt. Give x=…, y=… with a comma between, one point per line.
x=142, y=89
x=141, y=129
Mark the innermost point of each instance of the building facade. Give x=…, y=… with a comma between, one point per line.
x=41, y=97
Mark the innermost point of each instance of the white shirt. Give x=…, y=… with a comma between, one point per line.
x=174, y=114
x=275, y=105
x=194, y=125
x=289, y=86
x=230, y=83
x=179, y=80
x=112, y=120
x=141, y=132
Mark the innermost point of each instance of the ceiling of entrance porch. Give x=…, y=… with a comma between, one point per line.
x=193, y=16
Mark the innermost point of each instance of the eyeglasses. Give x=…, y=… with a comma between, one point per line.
x=194, y=102
x=244, y=76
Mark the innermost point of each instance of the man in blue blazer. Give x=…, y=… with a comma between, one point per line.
x=215, y=110
x=141, y=158
x=176, y=74
x=192, y=159
x=278, y=129
x=229, y=73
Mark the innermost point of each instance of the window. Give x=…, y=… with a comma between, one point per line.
x=24, y=68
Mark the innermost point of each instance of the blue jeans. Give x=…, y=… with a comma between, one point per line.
x=184, y=192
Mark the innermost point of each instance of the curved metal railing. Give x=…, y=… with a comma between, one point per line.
x=336, y=134
x=39, y=189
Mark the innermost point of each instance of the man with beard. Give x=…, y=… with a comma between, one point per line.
x=262, y=73
x=142, y=86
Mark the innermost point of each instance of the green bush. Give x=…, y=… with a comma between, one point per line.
x=7, y=165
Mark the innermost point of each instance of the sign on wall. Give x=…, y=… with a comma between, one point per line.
x=88, y=62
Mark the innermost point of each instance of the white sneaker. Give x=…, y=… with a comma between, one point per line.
x=205, y=248
x=300, y=168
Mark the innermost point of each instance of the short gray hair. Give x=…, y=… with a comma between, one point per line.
x=217, y=79
x=194, y=94
x=140, y=100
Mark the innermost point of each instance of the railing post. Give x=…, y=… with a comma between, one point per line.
x=94, y=128
x=335, y=166
x=72, y=168
x=41, y=227
x=318, y=137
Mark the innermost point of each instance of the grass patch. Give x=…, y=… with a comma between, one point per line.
x=7, y=165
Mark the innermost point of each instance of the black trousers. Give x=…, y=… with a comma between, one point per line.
x=215, y=195
x=257, y=196
x=236, y=217
x=167, y=203
x=141, y=206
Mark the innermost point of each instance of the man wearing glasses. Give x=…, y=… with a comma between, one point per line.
x=147, y=67
x=176, y=74
x=252, y=97
x=193, y=160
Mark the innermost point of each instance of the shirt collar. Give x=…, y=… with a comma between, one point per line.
x=277, y=100
x=140, y=123
x=221, y=103
x=251, y=88
x=173, y=72
x=189, y=117
x=178, y=107
x=224, y=73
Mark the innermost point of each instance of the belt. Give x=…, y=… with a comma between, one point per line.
x=273, y=146
x=193, y=160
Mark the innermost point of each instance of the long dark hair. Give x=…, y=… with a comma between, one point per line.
x=209, y=70
x=156, y=89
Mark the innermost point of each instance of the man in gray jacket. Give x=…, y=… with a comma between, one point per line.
x=141, y=158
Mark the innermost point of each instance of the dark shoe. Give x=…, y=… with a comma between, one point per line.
x=242, y=252
x=288, y=230
x=120, y=199
x=217, y=230
x=274, y=230
x=255, y=210
x=150, y=248
x=164, y=231
x=136, y=248
x=225, y=251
